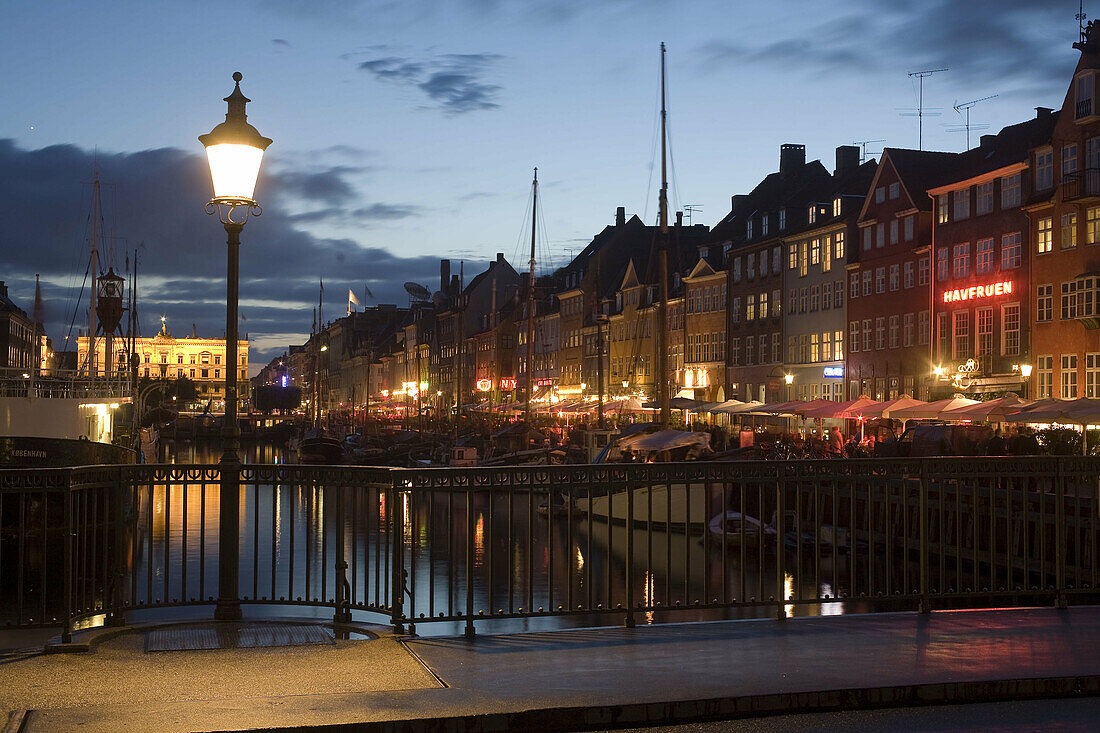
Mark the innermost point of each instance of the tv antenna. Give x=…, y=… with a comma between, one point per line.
x=863, y=148
x=960, y=107
x=1081, y=20
x=690, y=209
x=920, y=103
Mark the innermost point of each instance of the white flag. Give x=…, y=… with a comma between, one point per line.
x=351, y=297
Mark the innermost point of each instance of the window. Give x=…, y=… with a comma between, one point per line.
x=815, y=251
x=907, y=329
x=836, y=206
x=853, y=279
x=1010, y=329
x=1083, y=90
x=737, y=269
x=867, y=282
x=826, y=255
x=803, y=352
x=763, y=263
x=984, y=329
x=880, y=236
x=922, y=271
x=838, y=345
x=853, y=335
x=811, y=214
x=984, y=250
x=1069, y=160
x=815, y=349
x=748, y=229
x=941, y=208
x=1044, y=242
x=909, y=228
x=1012, y=251
x=1045, y=380
x=792, y=349
x=867, y=238
x=943, y=336
x=893, y=332
x=179, y=358
x=792, y=257
x=894, y=231
x=1068, y=237
x=943, y=263
x=782, y=219
x=838, y=294
x=777, y=346
x=1092, y=153
x=1010, y=191
x=750, y=347
x=880, y=195
x=1044, y=169
x=880, y=333
x=1044, y=303
x=777, y=257
x=962, y=204
x=907, y=275
x=895, y=190
x=1092, y=225
x=826, y=296
x=750, y=269
x=777, y=303
x=815, y=298
x=868, y=334
x=750, y=308
x=764, y=224
x=763, y=305
x=1069, y=376
x=923, y=327
x=803, y=297
x=1092, y=375
x=962, y=334
x=735, y=351
x=838, y=246
x=895, y=277
x=826, y=346
x=735, y=315
x=983, y=203
x=1069, y=300
x=804, y=259
x=880, y=280
x=961, y=261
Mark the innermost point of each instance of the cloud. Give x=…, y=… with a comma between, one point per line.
x=156, y=197
x=981, y=41
x=454, y=82
x=280, y=42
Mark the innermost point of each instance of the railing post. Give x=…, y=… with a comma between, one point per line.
x=922, y=505
x=342, y=612
x=114, y=615
x=1060, y=534
x=469, y=630
x=780, y=542
x=397, y=549
x=628, y=621
x=67, y=629
x=229, y=540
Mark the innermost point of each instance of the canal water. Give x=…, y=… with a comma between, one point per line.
x=521, y=558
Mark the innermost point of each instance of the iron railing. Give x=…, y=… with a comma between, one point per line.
x=61, y=384
x=1081, y=184
x=417, y=546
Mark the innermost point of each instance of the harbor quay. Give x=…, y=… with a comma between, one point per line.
x=587, y=567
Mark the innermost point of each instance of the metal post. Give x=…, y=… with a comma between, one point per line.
x=922, y=504
x=342, y=612
x=397, y=537
x=1060, y=534
x=67, y=629
x=629, y=620
x=780, y=567
x=469, y=631
x=229, y=605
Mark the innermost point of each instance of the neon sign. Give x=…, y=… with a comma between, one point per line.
x=833, y=372
x=484, y=385
x=507, y=383
x=978, y=291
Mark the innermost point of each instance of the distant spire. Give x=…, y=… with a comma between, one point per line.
x=39, y=312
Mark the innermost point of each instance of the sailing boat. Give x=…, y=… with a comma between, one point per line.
x=316, y=446
x=676, y=507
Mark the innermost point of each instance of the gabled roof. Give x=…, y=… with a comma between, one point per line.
x=702, y=269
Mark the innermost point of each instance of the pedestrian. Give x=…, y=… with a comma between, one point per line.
x=837, y=443
x=996, y=445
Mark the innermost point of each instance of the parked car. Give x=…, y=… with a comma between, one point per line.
x=936, y=440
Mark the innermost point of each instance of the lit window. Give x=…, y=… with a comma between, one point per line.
x=941, y=208
x=1068, y=235
x=1044, y=242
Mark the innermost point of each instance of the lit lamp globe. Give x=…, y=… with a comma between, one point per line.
x=234, y=150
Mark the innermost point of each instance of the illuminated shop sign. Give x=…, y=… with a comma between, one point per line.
x=835, y=372
x=978, y=291
x=507, y=383
x=484, y=385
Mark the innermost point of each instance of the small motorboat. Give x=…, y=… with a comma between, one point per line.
x=321, y=449
x=738, y=530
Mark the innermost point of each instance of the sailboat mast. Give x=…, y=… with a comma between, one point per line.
x=662, y=265
x=93, y=315
x=531, y=297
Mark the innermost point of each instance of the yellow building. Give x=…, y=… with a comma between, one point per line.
x=166, y=357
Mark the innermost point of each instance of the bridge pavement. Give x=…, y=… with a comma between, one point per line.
x=567, y=679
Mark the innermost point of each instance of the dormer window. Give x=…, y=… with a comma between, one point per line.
x=748, y=229
x=782, y=219
x=1044, y=169
x=812, y=214
x=836, y=206
x=1084, y=87
x=764, y=224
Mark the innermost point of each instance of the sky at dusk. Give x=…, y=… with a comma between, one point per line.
x=406, y=131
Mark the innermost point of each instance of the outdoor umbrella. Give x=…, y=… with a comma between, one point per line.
x=931, y=410
x=886, y=409
x=991, y=410
x=1046, y=410
x=850, y=409
x=725, y=407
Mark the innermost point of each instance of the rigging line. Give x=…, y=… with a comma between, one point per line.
x=68, y=336
x=517, y=252
x=78, y=253
x=543, y=241
x=656, y=135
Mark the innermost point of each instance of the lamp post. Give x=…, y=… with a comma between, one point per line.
x=234, y=150
x=1025, y=372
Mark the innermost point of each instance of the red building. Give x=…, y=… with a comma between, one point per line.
x=889, y=278
x=981, y=256
x=1064, y=214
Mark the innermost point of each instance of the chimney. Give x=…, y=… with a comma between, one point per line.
x=1041, y=112
x=500, y=257
x=3, y=289
x=987, y=140
x=679, y=219
x=620, y=216
x=847, y=158
x=736, y=200
x=791, y=156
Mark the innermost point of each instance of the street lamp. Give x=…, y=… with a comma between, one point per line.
x=789, y=379
x=234, y=150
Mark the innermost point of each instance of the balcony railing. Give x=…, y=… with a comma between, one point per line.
x=474, y=546
x=57, y=384
x=1082, y=184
